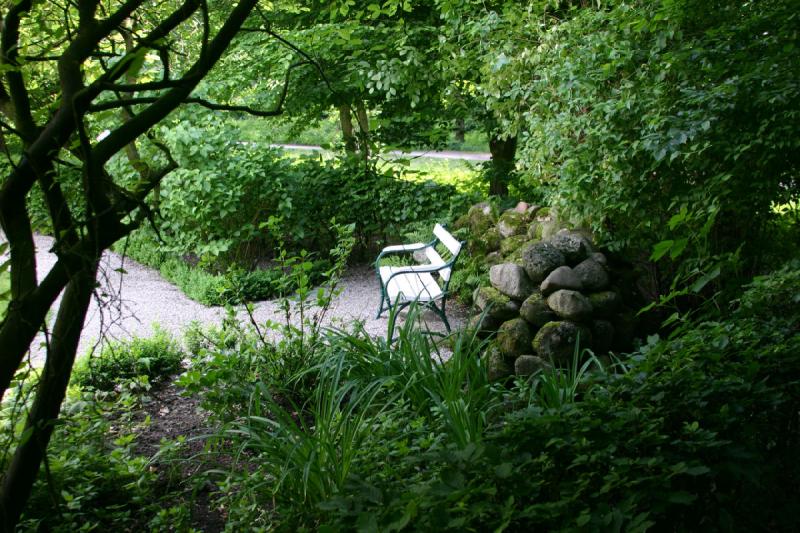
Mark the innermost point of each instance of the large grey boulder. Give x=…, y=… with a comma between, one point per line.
x=514, y=338
x=592, y=275
x=540, y=259
x=561, y=278
x=497, y=306
x=599, y=257
x=536, y=311
x=570, y=305
x=572, y=244
x=511, y=280
x=526, y=365
x=556, y=341
x=605, y=303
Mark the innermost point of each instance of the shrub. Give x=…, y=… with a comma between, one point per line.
x=695, y=431
x=155, y=357
x=642, y=110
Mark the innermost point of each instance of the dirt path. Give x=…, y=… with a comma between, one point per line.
x=132, y=298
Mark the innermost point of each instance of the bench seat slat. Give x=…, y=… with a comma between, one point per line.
x=409, y=286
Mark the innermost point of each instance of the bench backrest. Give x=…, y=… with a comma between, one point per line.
x=452, y=245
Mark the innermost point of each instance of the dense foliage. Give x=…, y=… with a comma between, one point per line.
x=636, y=112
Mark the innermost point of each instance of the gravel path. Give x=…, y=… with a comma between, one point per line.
x=128, y=304
x=425, y=154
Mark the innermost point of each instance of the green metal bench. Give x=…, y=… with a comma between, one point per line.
x=403, y=285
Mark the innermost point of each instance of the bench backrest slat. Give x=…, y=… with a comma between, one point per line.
x=448, y=240
x=436, y=260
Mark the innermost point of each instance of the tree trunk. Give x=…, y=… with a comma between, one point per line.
x=24, y=467
x=363, y=129
x=501, y=164
x=460, y=130
x=347, y=128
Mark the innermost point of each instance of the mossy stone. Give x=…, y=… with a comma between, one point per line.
x=512, y=223
x=605, y=303
x=526, y=365
x=540, y=259
x=497, y=368
x=511, y=244
x=556, y=341
x=481, y=217
x=535, y=310
x=497, y=305
x=485, y=242
x=514, y=337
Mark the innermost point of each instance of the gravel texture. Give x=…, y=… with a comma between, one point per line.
x=129, y=303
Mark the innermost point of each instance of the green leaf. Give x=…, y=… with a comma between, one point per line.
x=698, y=285
x=677, y=248
x=660, y=249
x=681, y=497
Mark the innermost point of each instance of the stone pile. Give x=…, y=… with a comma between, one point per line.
x=550, y=290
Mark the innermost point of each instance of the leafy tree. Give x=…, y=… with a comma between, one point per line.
x=70, y=72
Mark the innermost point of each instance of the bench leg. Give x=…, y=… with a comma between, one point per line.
x=380, y=305
x=442, y=315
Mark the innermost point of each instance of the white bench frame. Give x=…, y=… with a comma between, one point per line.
x=403, y=285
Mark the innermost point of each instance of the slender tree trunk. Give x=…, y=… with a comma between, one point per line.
x=502, y=164
x=460, y=130
x=363, y=128
x=346, y=122
x=24, y=467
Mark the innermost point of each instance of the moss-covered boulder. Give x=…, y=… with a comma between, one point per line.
x=512, y=222
x=498, y=306
x=494, y=258
x=534, y=232
x=483, y=243
x=514, y=338
x=605, y=303
x=536, y=311
x=526, y=365
x=512, y=244
x=541, y=258
x=570, y=305
x=497, y=367
x=556, y=341
x=481, y=217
